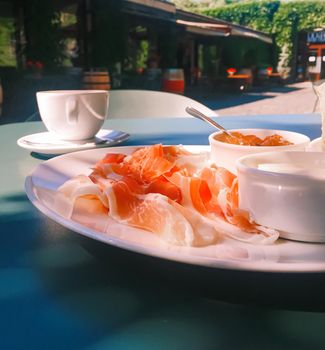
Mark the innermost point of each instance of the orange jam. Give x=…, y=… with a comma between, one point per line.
x=252, y=140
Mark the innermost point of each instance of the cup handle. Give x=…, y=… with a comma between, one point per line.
x=92, y=111
x=71, y=109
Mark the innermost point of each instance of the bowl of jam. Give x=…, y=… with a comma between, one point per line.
x=226, y=150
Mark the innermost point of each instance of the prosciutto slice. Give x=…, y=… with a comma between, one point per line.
x=168, y=191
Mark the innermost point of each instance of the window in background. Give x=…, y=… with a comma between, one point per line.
x=209, y=60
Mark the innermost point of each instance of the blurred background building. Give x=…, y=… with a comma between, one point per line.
x=133, y=39
x=142, y=44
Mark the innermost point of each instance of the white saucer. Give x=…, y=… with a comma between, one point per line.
x=316, y=146
x=47, y=143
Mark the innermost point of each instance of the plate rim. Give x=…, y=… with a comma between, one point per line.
x=158, y=252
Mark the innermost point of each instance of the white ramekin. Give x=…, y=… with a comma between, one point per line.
x=226, y=154
x=291, y=200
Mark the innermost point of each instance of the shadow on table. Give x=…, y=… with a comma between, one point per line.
x=280, y=290
x=139, y=297
x=101, y=296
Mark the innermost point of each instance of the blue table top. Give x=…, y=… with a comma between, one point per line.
x=61, y=291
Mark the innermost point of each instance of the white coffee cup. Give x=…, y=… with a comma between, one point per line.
x=73, y=114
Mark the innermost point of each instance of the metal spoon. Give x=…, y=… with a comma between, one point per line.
x=197, y=114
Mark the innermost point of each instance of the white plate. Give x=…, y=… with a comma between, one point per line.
x=316, y=146
x=47, y=143
x=282, y=256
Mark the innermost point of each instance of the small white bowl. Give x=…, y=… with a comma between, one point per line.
x=285, y=191
x=316, y=145
x=226, y=154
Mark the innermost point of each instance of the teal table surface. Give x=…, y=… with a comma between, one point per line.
x=59, y=290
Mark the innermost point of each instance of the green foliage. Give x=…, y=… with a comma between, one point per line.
x=7, y=55
x=67, y=19
x=188, y=5
x=282, y=19
x=196, y=5
x=294, y=17
x=42, y=32
x=256, y=14
x=142, y=54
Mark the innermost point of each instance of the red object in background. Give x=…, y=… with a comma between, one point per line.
x=37, y=65
x=140, y=70
x=231, y=71
x=174, y=86
x=173, y=81
x=269, y=70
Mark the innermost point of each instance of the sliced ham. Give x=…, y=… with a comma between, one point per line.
x=168, y=191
